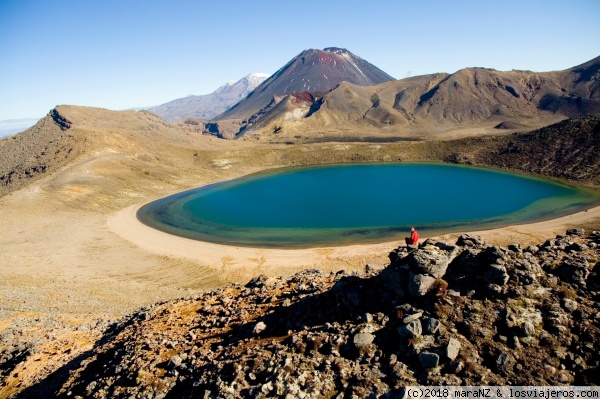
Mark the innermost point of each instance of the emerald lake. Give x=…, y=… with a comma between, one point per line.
x=359, y=203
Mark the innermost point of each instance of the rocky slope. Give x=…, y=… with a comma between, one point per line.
x=208, y=106
x=462, y=313
x=569, y=149
x=69, y=134
x=39, y=150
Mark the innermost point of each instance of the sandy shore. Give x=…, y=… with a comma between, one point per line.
x=535, y=233
x=126, y=225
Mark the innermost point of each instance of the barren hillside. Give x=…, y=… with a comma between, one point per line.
x=41, y=149
x=89, y=140
x=569, y=149
x=472, y=101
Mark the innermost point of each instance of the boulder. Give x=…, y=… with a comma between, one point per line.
x=362, y=339
x=412, y=317
x=593, y=280
x=411, y=330
x=525, y=277
x=394, y=278
x=494, y=289
x=432, y=259
x=515, y=248
x=398, y=254
x=467, y=240
x=259, y=327
x=367, y=318
x=430, y=325
x=504, y=363
x=496, y=274
x=579, y=232
x=466, y=265
x=373, y=268
x=569, y=304
x=493, y=255
x=257, y=282
x=429, y=360
x=528, y=329
x=576, y=247
x=452, y=349
x=174, y=362
x=420, y=284
x=573, y=270
x=533, y=249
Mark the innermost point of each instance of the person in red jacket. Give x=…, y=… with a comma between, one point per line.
x=414, y=237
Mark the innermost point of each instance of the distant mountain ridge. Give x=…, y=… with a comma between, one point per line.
x=319, y=94
x=422, y=105
x=210, y=105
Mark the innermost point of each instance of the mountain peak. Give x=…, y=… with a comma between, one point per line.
x=314, y=71
x=256, y=77
x=336, y=50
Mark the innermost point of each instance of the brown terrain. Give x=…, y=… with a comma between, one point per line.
x=74, y=260
x=472, y=101
x=499, y=316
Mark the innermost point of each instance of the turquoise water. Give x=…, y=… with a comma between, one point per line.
x=344, y=204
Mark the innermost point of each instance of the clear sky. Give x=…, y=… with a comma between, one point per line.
x=119, y=54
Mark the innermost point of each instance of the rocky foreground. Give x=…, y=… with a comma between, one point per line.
x=462, y=314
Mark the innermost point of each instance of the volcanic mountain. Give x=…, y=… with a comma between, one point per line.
x=209, y=105
x=312, y=71
x=469, y=101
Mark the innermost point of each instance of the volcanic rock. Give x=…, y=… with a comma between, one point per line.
x=349, y=335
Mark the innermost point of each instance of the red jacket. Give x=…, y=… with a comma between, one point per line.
x=414, y=237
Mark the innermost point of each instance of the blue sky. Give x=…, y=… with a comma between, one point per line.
x=119, y=54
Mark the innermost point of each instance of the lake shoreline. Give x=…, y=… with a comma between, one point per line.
x=126, y=224
x=360, y=203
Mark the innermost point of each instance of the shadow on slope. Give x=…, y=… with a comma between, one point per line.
x=53, y=385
